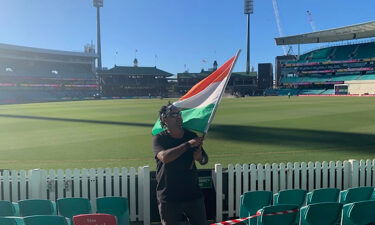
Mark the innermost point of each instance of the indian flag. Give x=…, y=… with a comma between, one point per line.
x=199, y=104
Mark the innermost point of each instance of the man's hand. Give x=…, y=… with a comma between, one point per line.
x=196, y=142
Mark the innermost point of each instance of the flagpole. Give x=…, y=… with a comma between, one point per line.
x=221, y=95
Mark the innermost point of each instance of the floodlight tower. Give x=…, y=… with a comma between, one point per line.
x=249, y=9
x=98, y=4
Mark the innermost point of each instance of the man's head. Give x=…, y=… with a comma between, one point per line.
x=170, y=116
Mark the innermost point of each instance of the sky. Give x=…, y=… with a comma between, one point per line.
x=172, y=34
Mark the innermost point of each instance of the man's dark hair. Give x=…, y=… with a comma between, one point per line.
x=164, y=111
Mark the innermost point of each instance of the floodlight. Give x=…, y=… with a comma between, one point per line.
x=249, y=6
x=98, y=3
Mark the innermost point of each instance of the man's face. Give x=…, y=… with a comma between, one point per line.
x=173, y=118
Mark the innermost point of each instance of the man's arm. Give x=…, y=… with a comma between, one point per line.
x=169, y=155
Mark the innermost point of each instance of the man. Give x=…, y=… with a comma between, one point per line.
x=176, y=149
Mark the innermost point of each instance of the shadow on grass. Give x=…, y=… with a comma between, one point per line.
x=77, y=120
x=298, y=138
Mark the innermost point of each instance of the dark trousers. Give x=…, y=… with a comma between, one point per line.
x=171, y=212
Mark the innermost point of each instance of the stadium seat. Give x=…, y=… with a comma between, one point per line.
x=252, y=201
x=45, y=220
x=36, y=207
x=7, y=208
x=16, y=209
x=323, y=195
x=94, y=219
x=117, y=206
x=279, y=219
x=358, y=213
x=291, y=197
x=356, y=194
x=11, y=220
x=70, y=207
x=326, y=213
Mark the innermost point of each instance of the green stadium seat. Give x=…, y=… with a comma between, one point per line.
x=252, y=201
x=321, y=53
x=281, y=219
x=367, y=77
x=356, y=194
x=365, y=50
x=117, y=206
x=16, y=209
x=33, y=207
x=45, y=220
x=344, y=52
x=11, y=220
x=345, y=78
x=323, y=195
x=325, y=213
x=358, y=213
x=290, y=197
x=70, y=207
x=7, y=208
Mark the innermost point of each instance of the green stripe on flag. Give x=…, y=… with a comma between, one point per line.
x=195, y=119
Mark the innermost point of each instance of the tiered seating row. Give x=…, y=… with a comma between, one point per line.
x=291, y=80
x=343, y=52
x=327, y=206
x=66, y=211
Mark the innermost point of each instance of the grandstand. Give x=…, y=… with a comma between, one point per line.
x=240, y=83
x=131, y=81
x=36, y=75
x=329, y=70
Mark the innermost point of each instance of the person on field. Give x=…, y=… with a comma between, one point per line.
x=176, y=149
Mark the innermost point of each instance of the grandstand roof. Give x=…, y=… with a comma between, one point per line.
x=358, y=31
x=132, y=70
x=46, y=51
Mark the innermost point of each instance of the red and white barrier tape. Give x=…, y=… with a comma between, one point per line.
x=234, y=221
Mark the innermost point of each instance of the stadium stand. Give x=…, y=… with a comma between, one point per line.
x=36, y=75
x=127, y=81
x=329, y=66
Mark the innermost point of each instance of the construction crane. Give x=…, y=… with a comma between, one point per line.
x=311, y=21
x=279, y=27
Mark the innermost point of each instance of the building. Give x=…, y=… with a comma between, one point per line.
x=240, y=83
x=34, y=75
x=129, y=81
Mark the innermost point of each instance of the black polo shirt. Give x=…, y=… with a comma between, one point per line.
x=177, y=180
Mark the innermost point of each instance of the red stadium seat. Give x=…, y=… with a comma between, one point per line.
x=94, y=219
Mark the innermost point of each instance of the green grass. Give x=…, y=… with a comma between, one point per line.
x=116, y=133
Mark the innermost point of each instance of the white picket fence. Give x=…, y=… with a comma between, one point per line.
x=87, y=183
x=276, y=177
